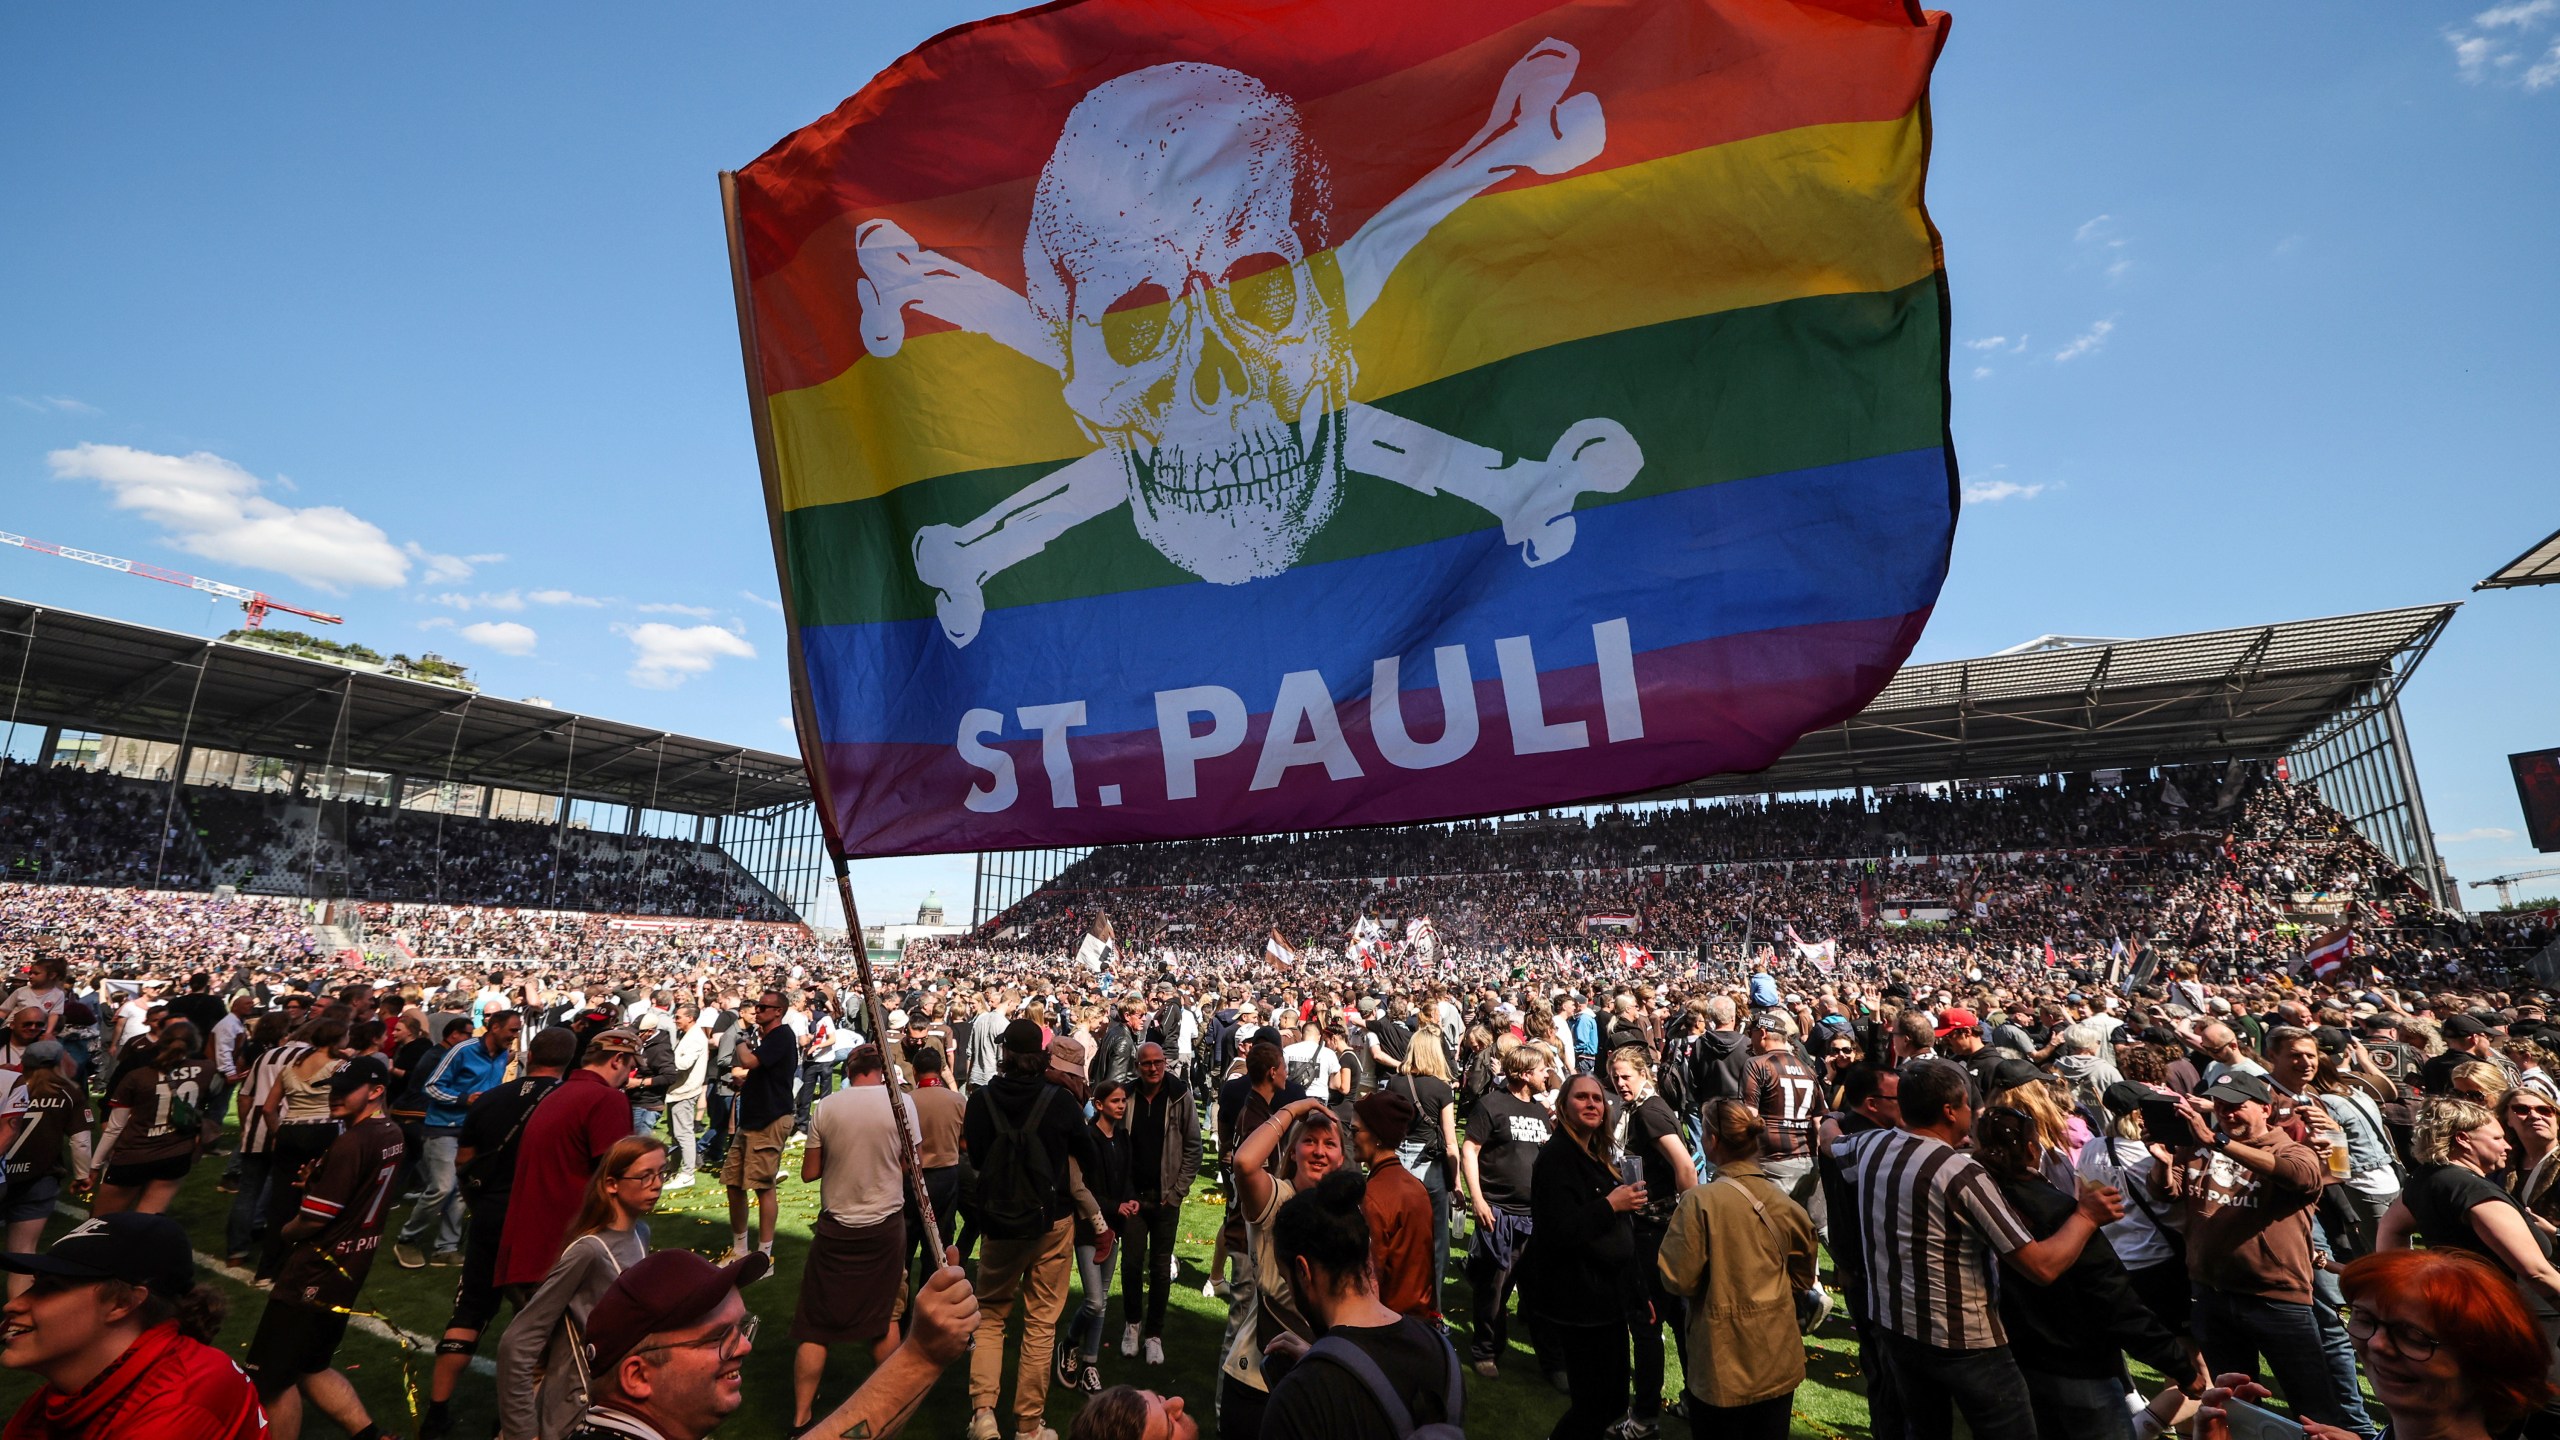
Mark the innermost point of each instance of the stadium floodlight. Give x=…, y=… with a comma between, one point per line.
x=253, y=603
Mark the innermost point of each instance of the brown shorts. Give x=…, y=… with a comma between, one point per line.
x=849, y=1283
x=754, y=1157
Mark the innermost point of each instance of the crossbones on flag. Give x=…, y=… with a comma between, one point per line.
x=1192, y=419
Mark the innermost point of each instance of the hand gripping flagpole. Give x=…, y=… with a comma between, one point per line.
x=804, y=717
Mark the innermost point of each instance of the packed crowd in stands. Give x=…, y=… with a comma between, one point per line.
x=66, y=825
x=2232, y=878
x=70, y=825
x=2035, y=817
x=417, y=855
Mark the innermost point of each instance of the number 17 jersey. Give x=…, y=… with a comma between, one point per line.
x=350, y=1193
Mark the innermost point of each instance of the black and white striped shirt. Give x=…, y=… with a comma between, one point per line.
x=1935, y=1226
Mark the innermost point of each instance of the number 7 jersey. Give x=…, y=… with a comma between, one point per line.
x=350, y=1192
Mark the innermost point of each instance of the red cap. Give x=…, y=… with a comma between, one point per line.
x=1955, y=1018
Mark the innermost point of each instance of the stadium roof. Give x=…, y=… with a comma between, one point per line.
x=2537, y=566
x=2250, y=693
x=86, y=673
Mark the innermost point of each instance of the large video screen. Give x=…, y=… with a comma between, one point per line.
x=2538, y=788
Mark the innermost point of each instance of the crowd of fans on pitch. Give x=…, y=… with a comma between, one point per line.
x=1511, y=1150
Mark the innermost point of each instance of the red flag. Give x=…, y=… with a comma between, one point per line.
x=2328, y=955
x=2048, y=952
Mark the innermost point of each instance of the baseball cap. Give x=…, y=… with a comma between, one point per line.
x=2238, y=1087
x=1022, y=1037
x=40, y=1054
x=2463, y=1027
x=1955, y=1018
x=2013, y=1072
x=130, y=1246
x=357, y=1073
x=2124, y=1097
x=613, y=1042
x=669, y=1290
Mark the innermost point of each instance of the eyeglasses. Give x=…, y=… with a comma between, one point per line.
x=653, y=1176
x=2476, y=1097
x=743, y=1331
x=2531, y=1110
x=2409, y=1340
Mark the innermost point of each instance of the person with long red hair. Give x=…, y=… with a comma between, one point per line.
x=2448, y=1345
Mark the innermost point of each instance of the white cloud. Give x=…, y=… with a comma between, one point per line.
x=766, y=601
x=2519, y=15
x=435, y=569
x=506, y=600
x=54, y=405
x=1987, y=342
x=2103, y=243
x=664, y=656
x=698, y=612
x=1992, y=492
x=2546, y=71
x=563, y=597
x=2495, y=45
x=1981, y=372
x=2091, y=340
x=504, y=636
x=2476, y=835
x=210, y=507
x=436, y=622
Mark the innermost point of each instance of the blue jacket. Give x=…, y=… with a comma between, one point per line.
x=465, y=1070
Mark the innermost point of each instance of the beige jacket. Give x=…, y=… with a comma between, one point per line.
x=1741, y=1250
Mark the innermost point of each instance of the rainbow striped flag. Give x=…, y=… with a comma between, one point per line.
x=1196, y=417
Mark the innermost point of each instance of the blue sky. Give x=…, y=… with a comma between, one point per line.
x=423, y=316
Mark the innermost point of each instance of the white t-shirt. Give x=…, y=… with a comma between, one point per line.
x=1315, y=1052
x=49, y=1001
x=132, y=1018
x=861, y=1183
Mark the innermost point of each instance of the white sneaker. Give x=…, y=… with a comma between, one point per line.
x=982, y=1426
x=1129, y=1341
x=1155, y=1351
x=1208, y=1289
x=681, y=1182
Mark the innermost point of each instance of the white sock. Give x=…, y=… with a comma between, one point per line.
x=738, y=1242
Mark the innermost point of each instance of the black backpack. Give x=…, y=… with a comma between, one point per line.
x=1338, y=1351
x=1014, y=1181
x=1671, y=1074
x=1303, y=1073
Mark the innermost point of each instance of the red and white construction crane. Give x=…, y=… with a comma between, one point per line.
x=255, y=604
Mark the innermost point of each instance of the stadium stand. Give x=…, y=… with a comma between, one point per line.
x=2226, y=864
